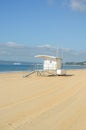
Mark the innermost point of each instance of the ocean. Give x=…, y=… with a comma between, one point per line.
x=31, y=67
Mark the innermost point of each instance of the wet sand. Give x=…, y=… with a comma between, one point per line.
x=43, y=103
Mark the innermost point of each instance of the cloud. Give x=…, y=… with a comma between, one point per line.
x=14, y=45
x=18, y=52
x=3, y=52
x=79, y=5
x=46, y=46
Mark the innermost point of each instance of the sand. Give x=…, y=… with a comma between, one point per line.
x=43, y=103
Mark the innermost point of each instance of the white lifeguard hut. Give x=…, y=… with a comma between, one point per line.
x=52, y=65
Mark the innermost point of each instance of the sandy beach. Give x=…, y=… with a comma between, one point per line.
x=43, y=103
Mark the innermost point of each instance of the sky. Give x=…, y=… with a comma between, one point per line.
x=42, y=23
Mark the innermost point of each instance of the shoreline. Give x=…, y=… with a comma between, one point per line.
x=19, y=68
x=21, y=71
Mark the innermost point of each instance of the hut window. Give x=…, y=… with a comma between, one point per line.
x=50, y=61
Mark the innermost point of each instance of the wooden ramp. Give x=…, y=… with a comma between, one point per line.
x=26, y=75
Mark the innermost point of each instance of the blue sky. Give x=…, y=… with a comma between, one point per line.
x=58, y=23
